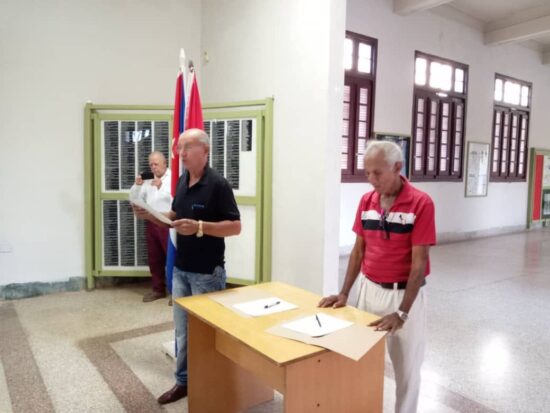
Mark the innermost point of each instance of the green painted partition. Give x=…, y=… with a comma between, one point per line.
x=99, y=200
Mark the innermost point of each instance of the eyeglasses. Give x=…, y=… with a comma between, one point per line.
x=189, y=146
x=383, y=224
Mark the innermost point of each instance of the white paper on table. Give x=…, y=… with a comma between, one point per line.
x=310, y=326
x=161, y=217
x=264, y=306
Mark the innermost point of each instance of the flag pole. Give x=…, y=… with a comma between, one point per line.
x=182, y=60
x=170, y=347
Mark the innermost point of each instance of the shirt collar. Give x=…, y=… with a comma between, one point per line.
x=404, y=196
x=204, y=178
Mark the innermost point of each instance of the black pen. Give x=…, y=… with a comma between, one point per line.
x=272, y=304
x=318, y=321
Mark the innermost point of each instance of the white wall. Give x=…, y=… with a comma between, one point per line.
x=54, y=56
x=292, y=50
x=398, y=38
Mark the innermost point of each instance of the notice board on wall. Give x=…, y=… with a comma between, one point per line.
x=477, y=169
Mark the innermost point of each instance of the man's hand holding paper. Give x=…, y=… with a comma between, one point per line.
x=144, y=211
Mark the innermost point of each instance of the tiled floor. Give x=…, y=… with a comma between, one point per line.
x=488, y=345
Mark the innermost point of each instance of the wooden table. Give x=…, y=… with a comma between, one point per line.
x=234, y=364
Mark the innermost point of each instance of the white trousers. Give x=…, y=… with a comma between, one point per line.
x=406, y=346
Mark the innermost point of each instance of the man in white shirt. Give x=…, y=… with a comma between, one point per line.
x=156, y=193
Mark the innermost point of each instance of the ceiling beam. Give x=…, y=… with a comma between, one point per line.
x=404, y=7
x=519, y=32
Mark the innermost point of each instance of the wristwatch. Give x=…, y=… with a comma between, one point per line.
x=199, y=231
x=402, y=315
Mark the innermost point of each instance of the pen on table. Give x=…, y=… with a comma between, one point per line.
x=272, y=304
x=318, y=321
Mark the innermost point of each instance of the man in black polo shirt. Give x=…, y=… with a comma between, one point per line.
x=204, y=211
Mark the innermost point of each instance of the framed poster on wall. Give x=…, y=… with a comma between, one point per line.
x=404, y=141
x=477, y=169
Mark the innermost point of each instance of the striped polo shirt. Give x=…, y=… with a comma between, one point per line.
x=389, y=236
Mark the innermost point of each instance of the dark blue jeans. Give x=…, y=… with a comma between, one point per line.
x=185, y=284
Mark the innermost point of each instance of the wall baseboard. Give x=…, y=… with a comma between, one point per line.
x=16, y=291
x=34, y=289
x=449, y=237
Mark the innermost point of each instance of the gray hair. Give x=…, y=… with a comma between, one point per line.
x=201, y=135
x=159, y=155
x=392, y=152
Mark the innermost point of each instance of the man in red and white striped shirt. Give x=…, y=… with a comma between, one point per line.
x=395, y=227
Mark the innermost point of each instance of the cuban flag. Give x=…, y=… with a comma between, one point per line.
x=194, y=118
x=177, y=128
x=187, y=115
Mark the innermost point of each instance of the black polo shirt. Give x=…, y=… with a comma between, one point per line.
x=212, y=200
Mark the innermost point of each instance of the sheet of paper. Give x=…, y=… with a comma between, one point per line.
x=317, y=325
x=353, y=342
x=264, y=306
x=161, y=217
x=228, y=298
